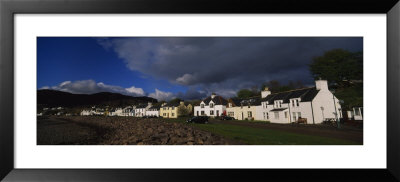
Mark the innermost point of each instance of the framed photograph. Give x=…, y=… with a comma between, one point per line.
x=104, y=91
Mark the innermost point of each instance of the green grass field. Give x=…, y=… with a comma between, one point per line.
x=257, y=136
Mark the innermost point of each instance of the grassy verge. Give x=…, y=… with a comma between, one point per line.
x=258, y=136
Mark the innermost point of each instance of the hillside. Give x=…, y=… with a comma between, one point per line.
x=53, y=98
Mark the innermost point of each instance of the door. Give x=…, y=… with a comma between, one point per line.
x=197, y=113
x=217, y=112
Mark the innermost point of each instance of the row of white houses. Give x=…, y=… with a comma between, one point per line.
x=136, y=111
x=314, y=104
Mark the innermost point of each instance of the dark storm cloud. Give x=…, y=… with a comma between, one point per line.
x=225, y=64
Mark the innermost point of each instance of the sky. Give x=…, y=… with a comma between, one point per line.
x=178, y=67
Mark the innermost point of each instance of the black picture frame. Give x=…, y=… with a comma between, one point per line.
x=8, y=8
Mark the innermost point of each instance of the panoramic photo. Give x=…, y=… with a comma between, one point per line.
x=199, y=91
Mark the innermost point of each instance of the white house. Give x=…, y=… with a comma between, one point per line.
x=315, y=104
x=116, y=112
x=141, y=109
x=87, y=113
x=356, y=113
x=128, y=111
x=153, y=111
x=211, y=106
x=243, y=109
x=98, y=111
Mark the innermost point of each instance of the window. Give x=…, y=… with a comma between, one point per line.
x=249, y=106
x=249, y=114
x=211, y=112
x=164, y=114
x=278, y=104
x=230, y=104
x=294, y=116
x=286, y=114
x=211, y=105
x=202, y=113
x=267, y=115
x=276, y=114
x=292, y=101
x=297, y=102
x=299, y=115
x=264, y=114
x=172, y=114
x=202, y=105
x=357, y=111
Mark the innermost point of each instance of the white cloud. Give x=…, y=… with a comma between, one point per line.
x=134, y=90
x=160, y=95
x=185, y=79
x=65, y=83
x=104, y=42
x=90, y=87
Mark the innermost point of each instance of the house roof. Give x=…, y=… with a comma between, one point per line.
x=306, y=94
x=218, y=100
x=235, y=101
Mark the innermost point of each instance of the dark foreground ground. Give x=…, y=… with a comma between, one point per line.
x=92, y=130
x=88, y=130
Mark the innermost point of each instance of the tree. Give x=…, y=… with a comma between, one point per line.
x=338, y=66
x=175, y=101
x=245, y=93
x=183, y=110
x=342, y=68
x=158, y=104
x=275, y=86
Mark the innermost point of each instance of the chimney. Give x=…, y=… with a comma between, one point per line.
x=213, y=95
x=321, y=84
x=265, y=92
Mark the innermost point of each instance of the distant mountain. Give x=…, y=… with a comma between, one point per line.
x=54, y=98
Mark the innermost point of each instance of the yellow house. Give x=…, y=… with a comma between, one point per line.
x=242, y=109
x=175, y=110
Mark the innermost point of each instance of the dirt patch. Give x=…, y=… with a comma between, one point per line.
x=122, y=131
x=58, y=132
